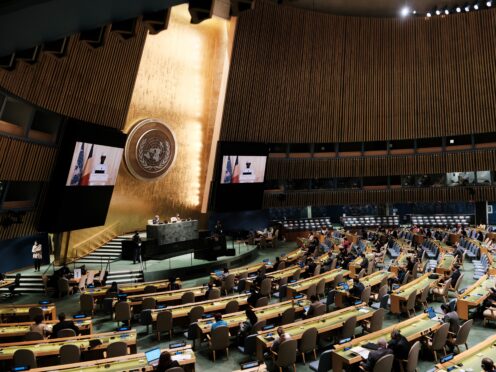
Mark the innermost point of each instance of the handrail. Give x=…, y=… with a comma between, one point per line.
x=94, y=242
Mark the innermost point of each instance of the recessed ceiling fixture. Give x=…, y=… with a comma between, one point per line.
x=489, y=4
x=405, y=11
x=458, y=9
x=429, y=14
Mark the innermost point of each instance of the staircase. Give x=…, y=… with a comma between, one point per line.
x=125, y=276
x=29, y=283
x=109, y=251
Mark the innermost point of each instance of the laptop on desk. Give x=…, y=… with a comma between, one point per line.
x=153, y=356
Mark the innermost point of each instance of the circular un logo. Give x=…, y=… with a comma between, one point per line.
x=150, y=149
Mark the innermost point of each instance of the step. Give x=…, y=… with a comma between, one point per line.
x=99, y=254
x=112, y=277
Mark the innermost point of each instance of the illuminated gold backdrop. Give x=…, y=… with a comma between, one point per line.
x=178, y=82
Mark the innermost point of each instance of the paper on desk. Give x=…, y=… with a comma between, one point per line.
x=362, y=310
x=364, y=353
x=179, y=357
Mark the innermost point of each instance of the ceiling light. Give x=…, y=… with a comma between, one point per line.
x=405, y=11
x=467, y=8
x=438, y=12
x=458, y=9
x=446, y=11
x=415, y=12
x=489, y=4
x=429, y=14
x=476, y=6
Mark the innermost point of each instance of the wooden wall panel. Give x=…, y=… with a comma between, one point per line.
x=93, y=85
x=302, y=76
x=285, y=168
x=344, y=197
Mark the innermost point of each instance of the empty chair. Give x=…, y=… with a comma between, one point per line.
x=188, y=297
x=218, y=340
x=412, y=361
x=384, y=364
x=319, y=310
x=323, y=364
x=438, y=341
x=122, y=312
x=338, y=279
x=348, y=329
x=228, y=284
x=281, y=265
x=312, y=290
x=34, y=312
x=375, y=322
x=116, y=349
x=317, y=269
x=414, y=271
x=406, y=278
x=64, y=287
x=442, y=291
x=422, y=300
x=266, y=287
x=87, y=305
x=409, y=305
x=232, y=307
x=25, y=357
x=286, y=355
x=195, y=314
x=69, y=354
x=361, y=274
x=33, y=336
x=489, y=314
x=164, y=323
x=148, y=303
x=365, y=296
x=370, y=267
x=462, y=334
x=66, y=332
x=456, y=285
x=320, y=290
x=82, y=283
x=175, y=369
x=242, y=285
x=150, y=289
x=90, y=279
x=383, y=290
x=333, y=266
x=262, y=301
x=308, y=343
x=288, y=316
x=214, y=293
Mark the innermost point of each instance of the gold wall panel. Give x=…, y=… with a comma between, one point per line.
x=178, y=83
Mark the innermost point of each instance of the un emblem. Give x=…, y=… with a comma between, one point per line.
x=150, y=149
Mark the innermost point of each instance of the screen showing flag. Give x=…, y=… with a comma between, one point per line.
x=94, y=165
x=243, y=169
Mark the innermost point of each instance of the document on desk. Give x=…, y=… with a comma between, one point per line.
x=364, y=353
x=179, y=357
x=362, y=310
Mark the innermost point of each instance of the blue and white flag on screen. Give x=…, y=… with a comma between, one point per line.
x=228, y=176
x=78, y=168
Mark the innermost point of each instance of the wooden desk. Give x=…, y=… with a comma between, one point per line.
x=268, y=312
x=324, y=323
x=293, y=255
x=355, y=267
x=133, y=362
x=474, y=296
x=167, y=296
x=284, y=273
x=52, y=346
x=402, y=293
x=413, y=329
x=8, y=330
x=445, y=265
x=323, y=258
x=6, y=283
x=492, y=267
x=400, y=261
x=303, y=284
x=472, y=357
x=368, y=281
x=22, y=311
x=217, y=305
x=248, y=269
x=443, y=247
x=130, y=289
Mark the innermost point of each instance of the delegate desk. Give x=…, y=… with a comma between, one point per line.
x=248, y=269
x=217, y=305
x=284, y=273
x=470, y=360
x=492, y=266
x=22, y=311
x=133, y=362
x=261, y=368
x=10, y=330
x=445, y=264
x=323, y=323
x=268, y=312
x=413, y=329
x=355, y=267
x=171, y=239
x=52, y=347
x=303, y=284
x=6, y=283
x=474, y=296
x=401, y=261
x=367, y=281
x=293, y=255
x=401, y=294
x=164, y=297
x=101, y=292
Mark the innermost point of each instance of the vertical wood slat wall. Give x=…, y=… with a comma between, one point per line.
x=302, y=76
x=92, y=85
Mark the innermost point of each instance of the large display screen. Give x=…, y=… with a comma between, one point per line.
x=94, y=165
x=242, y=169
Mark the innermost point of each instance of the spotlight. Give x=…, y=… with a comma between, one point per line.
x=476, y=6
x=489, y=4
x=414, y=12
x=438, y=12
x=405, y=11
x=458, y=9
x=429, y=14
x=467, y=8
x=446, y=11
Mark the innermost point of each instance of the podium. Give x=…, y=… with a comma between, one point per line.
x=171, y=239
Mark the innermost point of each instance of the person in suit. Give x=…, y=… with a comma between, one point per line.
x=282, y=337
x=452, y=318
x=400, y=348
x=254, y=296
x=258, y=280
x=63, y=324
x=37, y=252
x=375, y=355
x=136, y=247
x=315, y=303
x=365, y=261
x=356, y=291
x=156, y=220
x=165, y=362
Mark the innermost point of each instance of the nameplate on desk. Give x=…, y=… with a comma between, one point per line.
x=177, y=345
x=298, y=296
x=44, y=302
x=79, y=316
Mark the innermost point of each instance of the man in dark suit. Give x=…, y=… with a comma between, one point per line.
x=254, y=296
x=400, y=348
x=63, y=324
x=315, y=303
x=356, y=291
x=375, y=355
x=455, y=275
